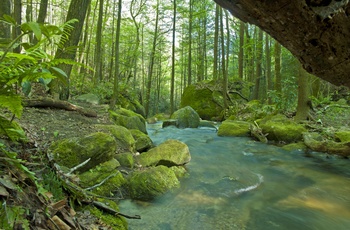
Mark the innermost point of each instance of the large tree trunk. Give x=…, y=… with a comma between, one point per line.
x=316, y=32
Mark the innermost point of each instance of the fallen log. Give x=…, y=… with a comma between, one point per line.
x=44, y=102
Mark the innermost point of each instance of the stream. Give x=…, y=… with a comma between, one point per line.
x=238, y=183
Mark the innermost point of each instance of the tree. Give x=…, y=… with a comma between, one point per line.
x=304, y=102
x=172, y=83
x=151, y=64
x=216, y=42
x=98, y=52
x=117, y=57
x=278, y=78
x=68, y=51
x=315, y=29
x=241, y=50
x=17, y=10
x=268, y=64
x=5, y=29
x=258, y=75
x=189, y=62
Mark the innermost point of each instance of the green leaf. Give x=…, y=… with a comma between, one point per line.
x=12, y=103
x=32, y=27
x=8, y=19
x=60, y=74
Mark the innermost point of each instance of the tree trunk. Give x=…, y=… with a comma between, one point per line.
x=268, y=65
x=303, y=107
x=223, y=67
x=258, y=75
x=241, y=50
x=98, y=52
x=151, y=65
x=5, y=29
x=117, y=56
x=278, y=77
x=73, y=41
x=316, y=32
x=17, y=10
x=172, y=84
x=216, y=43
x=189, y=61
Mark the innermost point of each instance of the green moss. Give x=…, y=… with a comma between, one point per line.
x=280, y=128
x=295, y=146
x=100, y=173
x=179, y=171
x=125, y=159
x=169, y=153
x=143, y=141
x=99, y=147
x=115, y=222
x=186, y=117
x=201, y=100
x=152, y=182
x=234, y=128
x=342, y=136
x=128, y=119
x=124, y=138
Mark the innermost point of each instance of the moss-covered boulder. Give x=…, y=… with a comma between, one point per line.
x=200, y=97
x=99, y=147
x=151, y=182
x=131, y=104
x=104, y=179
x=143, y=141
x=11, y=130
x=123, y=136
x=128, y=119
x=234, y=128
x=179, y=171
x=186, y=117
x=89, y=98
x=125, y=159
x=316, y=142
x=282, y=129
x=169, y=153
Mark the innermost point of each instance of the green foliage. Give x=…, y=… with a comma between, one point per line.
x=32, y=65
x=13, y=217
x=53, y=184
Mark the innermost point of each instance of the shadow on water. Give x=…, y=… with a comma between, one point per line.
x=237, y=183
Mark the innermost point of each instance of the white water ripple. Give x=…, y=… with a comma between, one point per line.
x=252, y=187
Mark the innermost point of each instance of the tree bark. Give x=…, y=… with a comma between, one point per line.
x=5, y=29
x=316, y=32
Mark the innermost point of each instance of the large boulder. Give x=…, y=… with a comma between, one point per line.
x=89, y=98
x=104, y=179
x=128, y=119
x=99, y=147
x=234, y=128
x=280, y=128
x=125, y=159
x=143, y=141
x=203, y=100
x=186, y=117
x=124, y=138
x=151, y=182
x=169, y=153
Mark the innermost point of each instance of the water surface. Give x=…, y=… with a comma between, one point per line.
x=237, y=183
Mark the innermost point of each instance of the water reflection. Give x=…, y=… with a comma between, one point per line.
x=236, y=183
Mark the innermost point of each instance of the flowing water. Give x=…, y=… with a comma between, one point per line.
x=237, y=183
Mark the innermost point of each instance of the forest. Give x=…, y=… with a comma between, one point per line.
x=95, y=73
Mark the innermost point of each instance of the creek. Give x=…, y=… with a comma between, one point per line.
x=238, y=183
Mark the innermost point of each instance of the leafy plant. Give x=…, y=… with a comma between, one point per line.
x=34, y=64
